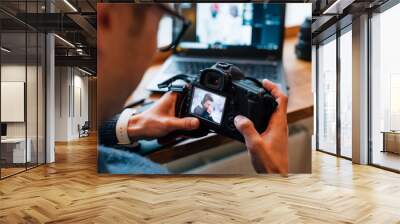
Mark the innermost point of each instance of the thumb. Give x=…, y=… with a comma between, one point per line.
x=187, y=123
x=246, y=127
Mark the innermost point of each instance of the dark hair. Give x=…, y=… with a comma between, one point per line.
x=207, y=97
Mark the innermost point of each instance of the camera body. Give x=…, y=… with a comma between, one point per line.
x=219, y=94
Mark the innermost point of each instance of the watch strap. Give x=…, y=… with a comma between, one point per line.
x=121, y=128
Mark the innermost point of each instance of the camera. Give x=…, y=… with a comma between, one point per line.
x=217, y=96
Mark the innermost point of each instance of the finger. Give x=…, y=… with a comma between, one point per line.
x=187, y=123
x=246, y=128
x=169, y=97
x=166, y=104
x=274, y=89
x=280, y=97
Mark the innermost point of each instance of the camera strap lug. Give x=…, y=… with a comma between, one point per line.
x=169, y=81
x=177, y=88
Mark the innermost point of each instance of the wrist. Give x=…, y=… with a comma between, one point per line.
x=121, y=126
x=135, y=127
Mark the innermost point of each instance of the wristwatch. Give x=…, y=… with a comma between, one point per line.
x=121, y=127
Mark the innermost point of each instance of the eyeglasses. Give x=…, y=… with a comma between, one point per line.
x=169, y=39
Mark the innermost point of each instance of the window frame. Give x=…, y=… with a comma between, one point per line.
x=378, y=10
x=335, y=36
x=27, y=29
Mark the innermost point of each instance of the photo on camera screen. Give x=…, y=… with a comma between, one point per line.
x=207, y=105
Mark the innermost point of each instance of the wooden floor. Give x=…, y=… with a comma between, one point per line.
x=387, y=159
x=8, y=171
x=70, y=191
x=11, y=170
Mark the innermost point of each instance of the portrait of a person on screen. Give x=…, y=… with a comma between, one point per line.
x=205, y=109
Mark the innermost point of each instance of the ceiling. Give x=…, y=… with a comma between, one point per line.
x=72, y=20
x=329, y=16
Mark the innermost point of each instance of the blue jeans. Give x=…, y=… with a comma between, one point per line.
x=115, y=161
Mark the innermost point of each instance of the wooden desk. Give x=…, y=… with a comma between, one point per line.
x=13, y=150
x=298, y=76
x=391, y=141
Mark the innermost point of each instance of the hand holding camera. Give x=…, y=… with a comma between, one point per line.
x=222, y=100
x=268, y=150
x=159, y=120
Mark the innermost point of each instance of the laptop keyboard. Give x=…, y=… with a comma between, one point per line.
x=259, y=71
x=189, y=68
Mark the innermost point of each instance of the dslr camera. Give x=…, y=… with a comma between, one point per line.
x=217, y=95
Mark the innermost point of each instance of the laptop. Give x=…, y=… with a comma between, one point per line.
x=248, y=35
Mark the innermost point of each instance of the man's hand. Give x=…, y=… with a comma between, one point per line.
x=160, y=120
x=210, y=109
x=268, y=150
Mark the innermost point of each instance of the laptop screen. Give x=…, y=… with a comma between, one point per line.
x=233, y=28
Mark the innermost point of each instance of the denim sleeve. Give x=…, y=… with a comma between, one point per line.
x=115, y=161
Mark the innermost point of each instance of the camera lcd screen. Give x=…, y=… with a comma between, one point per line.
x=207, y=105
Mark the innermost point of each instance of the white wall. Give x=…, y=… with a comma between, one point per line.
x=71, y=94
x=11, y=73
x=80, y=100
x=16, y=72
x=62, y=82
x=33, y=126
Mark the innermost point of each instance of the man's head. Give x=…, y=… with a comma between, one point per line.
x=234, y=11
x=207, y=101
x=127, y=37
